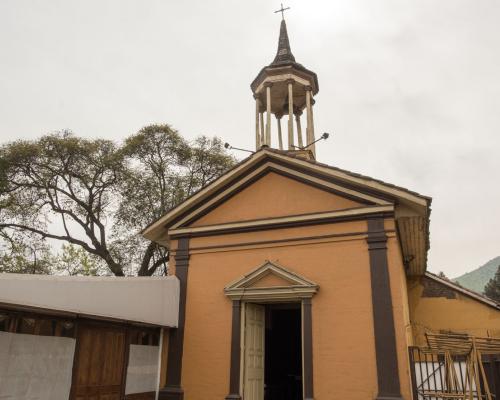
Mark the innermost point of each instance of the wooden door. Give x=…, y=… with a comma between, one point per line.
x=100, y=363
x=253, y=387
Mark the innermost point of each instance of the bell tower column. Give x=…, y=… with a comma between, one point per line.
x=261, y=119
x=290, y=114
x=310, y=121
x=268, y=113
x=280, y=136
x=298, y=113
x=257, y=123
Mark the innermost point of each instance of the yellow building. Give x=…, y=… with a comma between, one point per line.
x=301, y=280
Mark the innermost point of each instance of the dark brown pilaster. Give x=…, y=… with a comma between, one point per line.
x=173, y=389
x=234, y=374
x=383, y=319
x=307, y=352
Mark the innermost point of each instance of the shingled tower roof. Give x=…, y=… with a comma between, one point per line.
x=284, y=54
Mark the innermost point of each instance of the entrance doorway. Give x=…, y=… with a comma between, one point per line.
x=273, y=352
x=283, y=357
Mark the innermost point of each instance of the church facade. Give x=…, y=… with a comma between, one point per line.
x=288, y=279
x=301, y=280
x=298, y=237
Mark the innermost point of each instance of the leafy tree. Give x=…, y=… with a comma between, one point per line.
x=167, y=170
x=65, y=179
x=75, y=260
x=97, y=196
x=492, y=288
x=20, y=254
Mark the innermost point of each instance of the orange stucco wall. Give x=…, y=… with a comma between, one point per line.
x=275, y=195
x=343, y=340
x=434, y=312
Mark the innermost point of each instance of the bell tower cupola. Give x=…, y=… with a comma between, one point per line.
x=285, y=89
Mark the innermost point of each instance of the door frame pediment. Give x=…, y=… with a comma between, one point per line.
x=299, y=287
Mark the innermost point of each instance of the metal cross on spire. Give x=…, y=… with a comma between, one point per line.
x=282, y=11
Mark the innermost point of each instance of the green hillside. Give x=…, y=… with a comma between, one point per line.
x=478, y=278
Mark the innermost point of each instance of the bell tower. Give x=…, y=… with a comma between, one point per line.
x=285, y=89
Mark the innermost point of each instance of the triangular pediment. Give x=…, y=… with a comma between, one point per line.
x=254, y=173
x=272, y=280
x=275, y=195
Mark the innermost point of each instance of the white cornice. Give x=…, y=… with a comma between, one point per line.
x=269, y=222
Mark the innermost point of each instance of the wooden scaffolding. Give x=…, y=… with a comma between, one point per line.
x=453, y=367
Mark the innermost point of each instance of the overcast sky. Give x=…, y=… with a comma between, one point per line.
x=410, y=89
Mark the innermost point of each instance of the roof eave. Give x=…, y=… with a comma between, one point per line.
x=157, y=231
x=298, y=67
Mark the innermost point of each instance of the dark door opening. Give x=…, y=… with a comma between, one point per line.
x=283, y=355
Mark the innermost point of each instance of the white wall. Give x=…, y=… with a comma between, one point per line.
x=142, y=371
x=35, y=367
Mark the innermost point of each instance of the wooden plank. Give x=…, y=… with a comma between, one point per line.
x=141, y=396
x=101, y=360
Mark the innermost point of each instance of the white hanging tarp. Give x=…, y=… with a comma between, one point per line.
x=142, y=369
x=35, y=367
